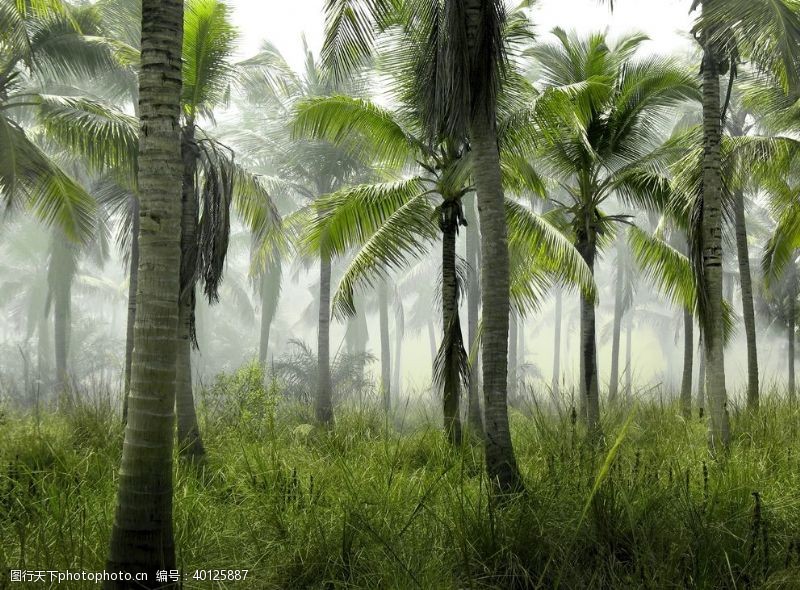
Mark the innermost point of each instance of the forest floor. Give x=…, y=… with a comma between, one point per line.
x=387, y=504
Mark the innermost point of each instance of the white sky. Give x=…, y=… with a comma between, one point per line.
x=666, y=22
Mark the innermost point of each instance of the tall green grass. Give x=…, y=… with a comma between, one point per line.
x=380, y=503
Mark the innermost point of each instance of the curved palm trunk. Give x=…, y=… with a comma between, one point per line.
x=748, y=311
x=590, y=393
x=323, y=407
x=613, y=382
x=719, y=426
x=142, y=537
x=452, y=346
x=190, y=445
x=501, y=464
x=554, y=384
x=386, y=362
x=688, y=359
x=474, y=413
x=133, y=278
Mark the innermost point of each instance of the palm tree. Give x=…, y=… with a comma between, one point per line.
x=618, y=101
x=141, y=538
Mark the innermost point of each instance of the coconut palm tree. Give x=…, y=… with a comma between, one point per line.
x=142, y=538
x=619, y=101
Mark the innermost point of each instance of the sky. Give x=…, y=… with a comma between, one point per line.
x=666, y=22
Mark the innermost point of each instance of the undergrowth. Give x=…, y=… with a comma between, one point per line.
x=385, y=503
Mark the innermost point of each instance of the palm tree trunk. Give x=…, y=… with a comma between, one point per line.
x=719, y=426
x=475, y=415
x=133, y=278
x=628, y=356
x=613, y=383
x=399, y=330
x=386, y=362
x=701, y=381
x=513, y=353
x=791, y=327
x=589, y=383
x=142, y=534
x=688, y=358
x=432, y=341
x=748, y=311
x=270, y=293
x=451, y=326
x=61, y=329
x=323, y=404
x=501, y=464
x=190, y=444
x=554, y=384
x=521, y=352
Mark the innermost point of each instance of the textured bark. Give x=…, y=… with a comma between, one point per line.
x=613, y=382
x=190, y=444
x=133, y=279
x=474, y=412
x=501, y=464
x=386, y=361
x=142, y=534
x=688, y=359
x=590, y=394
x=554, y=384
x=719, y=425
x=452, y=332
x=323, y=406
x=748, y=311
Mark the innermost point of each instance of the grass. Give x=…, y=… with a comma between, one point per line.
x=377, y=505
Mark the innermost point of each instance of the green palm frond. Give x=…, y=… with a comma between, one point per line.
x=664, y=266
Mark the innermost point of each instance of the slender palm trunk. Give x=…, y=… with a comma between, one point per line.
x=554, y=384
x=432, y=341
x=701, y=381
x=62, y=299
x=451, y=326
x=475, y=415
x=190, y=444
x=628, y=356
x=688, y=358
x=791, y=327
x=386, y=362
x=133, y=278
x=323, y=406
x=399, y=330
x=513, y=354
x=748, y=312
x=501, y=464
x=613, y=382
x=142, y=534
x=590, y=393
x=521, y=352
x=719, y=425
x=266, y=322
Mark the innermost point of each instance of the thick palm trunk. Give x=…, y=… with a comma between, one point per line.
x=133, y=279
x=688, y=359
x=719, y=427
x=613, y=383
x=142, y=535
x=748, y=312
x=386, y=361
x=554, y=384
x=501, y=464
x=590, y=393
x=323, y=407
x=474, y=413
x=190, y=445
x=451, y=340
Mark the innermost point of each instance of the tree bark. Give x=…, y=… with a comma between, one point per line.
x=133, y=278
x=190, y=444
x=323, y=406
x=555, y=383
x=701, y=381
x=451, y=327
x=748, y=311
x=142, y=534
x=587, y=247
x=613, y=382
x=475, y=414
x=501, y=464
x=688, y=359
x=719, y=425
x=386, y=362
